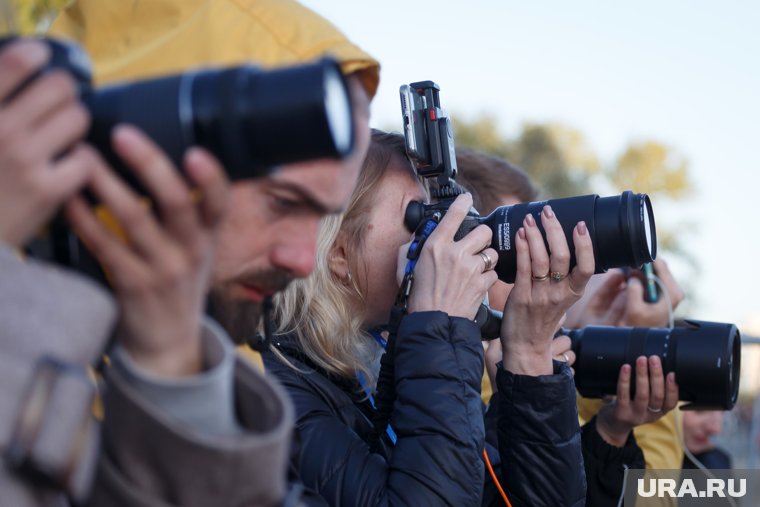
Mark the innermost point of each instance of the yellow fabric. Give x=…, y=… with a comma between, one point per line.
x=486, y=391
x=131, y=39
x=659, y=440
x=251, y=355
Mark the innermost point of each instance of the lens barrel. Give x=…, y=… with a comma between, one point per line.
x=621, y=227
x=252, y=120
x=705, y=356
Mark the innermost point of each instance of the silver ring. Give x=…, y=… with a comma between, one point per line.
x=487, y=260
x=556, y=276
x=654, y=411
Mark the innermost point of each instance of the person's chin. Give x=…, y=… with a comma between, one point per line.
x=239, y=316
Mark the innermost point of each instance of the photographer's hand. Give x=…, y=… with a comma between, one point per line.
x=603, y=303
x=36, y=126
x=656, y=395
x=638, y=312
x=537, y=302
x=161, y=275
x=451, y=276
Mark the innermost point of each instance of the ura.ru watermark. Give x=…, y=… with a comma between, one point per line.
x=713, y=488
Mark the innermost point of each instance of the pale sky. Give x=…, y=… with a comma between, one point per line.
x=686, y=73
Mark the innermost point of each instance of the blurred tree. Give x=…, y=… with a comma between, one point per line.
x=556, y=156
x=482, y=133
x=559, y=160
x=651, y=167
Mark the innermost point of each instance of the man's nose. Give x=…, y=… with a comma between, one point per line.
x=296, y=253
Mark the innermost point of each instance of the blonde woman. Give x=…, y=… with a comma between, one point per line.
x=328, y=345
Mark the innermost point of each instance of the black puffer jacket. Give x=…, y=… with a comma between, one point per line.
x=533, y=421
x=439, y=423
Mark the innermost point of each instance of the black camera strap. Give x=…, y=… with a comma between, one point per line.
x=386, y=387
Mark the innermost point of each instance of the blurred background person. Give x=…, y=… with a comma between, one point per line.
x=699, y=428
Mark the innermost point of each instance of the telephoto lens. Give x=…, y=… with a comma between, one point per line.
x=252, y=120
x=705, y=356
x=621, y=228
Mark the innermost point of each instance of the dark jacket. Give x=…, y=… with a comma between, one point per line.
x=606, y=465
x=439, y=423
x=533, y=421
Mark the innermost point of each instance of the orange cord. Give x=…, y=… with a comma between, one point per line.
x=495, y=480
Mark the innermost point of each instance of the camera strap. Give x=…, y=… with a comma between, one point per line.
x=421, y=235
x=386, y=386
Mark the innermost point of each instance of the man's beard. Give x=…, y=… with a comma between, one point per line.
x=240, y=317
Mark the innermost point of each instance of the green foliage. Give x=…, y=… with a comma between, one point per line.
x=556, y=156
x=561, y=162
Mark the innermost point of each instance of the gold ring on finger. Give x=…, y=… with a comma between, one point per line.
x=487, y=260
x=556, y=276
x=540, y=278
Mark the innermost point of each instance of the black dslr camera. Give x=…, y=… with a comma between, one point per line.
x=621, y=227
x=252, y=120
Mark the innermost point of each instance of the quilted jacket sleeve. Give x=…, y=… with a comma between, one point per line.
x=539, y=439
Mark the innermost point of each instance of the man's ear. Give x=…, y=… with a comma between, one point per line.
x=337, y=260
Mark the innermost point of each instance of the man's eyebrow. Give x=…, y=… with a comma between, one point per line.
x=310, y=199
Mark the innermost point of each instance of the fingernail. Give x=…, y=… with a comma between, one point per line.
x=548, y=211
x=530, y=220
x=582, y=228
x=671, y=378
x=521, y=233
x=125, y=135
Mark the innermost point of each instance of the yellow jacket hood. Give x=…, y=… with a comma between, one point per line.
x=138, y=39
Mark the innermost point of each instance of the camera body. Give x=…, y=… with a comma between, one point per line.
x=252, y=120
x=622, y=228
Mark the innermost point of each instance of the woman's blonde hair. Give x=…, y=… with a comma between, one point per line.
x=324, y=313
